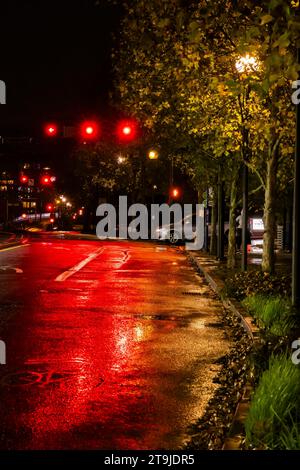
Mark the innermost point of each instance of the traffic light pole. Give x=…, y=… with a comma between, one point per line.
x=296, y=208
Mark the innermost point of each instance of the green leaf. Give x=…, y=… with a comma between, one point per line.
x=163, y=23
x=283, y=41
x=193, y=25
x=266, y=19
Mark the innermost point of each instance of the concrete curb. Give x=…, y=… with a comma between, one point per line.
x=15, y=242
x=234, y=441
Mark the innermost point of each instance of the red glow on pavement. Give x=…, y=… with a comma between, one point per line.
x=89, y=367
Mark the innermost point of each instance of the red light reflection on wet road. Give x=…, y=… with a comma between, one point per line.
x=106, y=358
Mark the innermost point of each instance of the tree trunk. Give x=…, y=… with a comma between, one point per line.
x=213, y=233
x=268, y=258
x=231, y=261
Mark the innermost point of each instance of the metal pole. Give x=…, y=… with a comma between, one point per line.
x=143, y=175
x=220, y=248
x=206, y=221
x=296, y=208
x=245, y=218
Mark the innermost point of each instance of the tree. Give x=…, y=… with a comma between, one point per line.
x=177, y=72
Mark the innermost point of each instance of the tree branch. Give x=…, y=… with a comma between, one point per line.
x=251, y=192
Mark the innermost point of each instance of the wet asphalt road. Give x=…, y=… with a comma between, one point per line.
x=110, y=345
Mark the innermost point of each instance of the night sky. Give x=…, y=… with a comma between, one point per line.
x=55, y=60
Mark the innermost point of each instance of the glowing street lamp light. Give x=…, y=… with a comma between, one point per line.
x=121, y=159
x=153, y=155
x=247, y=64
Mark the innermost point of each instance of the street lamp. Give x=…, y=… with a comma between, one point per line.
x=153, y=154
x=245, y=65
x=121, y=159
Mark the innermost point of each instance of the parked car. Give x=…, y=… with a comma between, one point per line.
x=181, y=230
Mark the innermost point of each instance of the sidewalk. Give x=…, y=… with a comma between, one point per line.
x=214, y=271
x=215, y=274
x=283, y=262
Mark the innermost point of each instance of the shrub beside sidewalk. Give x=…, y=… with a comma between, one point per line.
x=273, y=420
x=273, y=414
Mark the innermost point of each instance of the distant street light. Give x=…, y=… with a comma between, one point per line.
x=175, y=193
x=121, y=159
x=153, y=155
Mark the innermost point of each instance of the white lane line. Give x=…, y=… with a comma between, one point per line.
x=66, y=274
x=13, y=247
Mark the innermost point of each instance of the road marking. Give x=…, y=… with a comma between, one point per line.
x=6, y=268
x=66, y=274
x=14, y=247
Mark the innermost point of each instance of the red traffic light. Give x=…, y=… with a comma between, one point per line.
x=51, y=130
x=24, y=179
x=127, y=130
x=49, y=207
x=46, y=179
x=89, y=130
